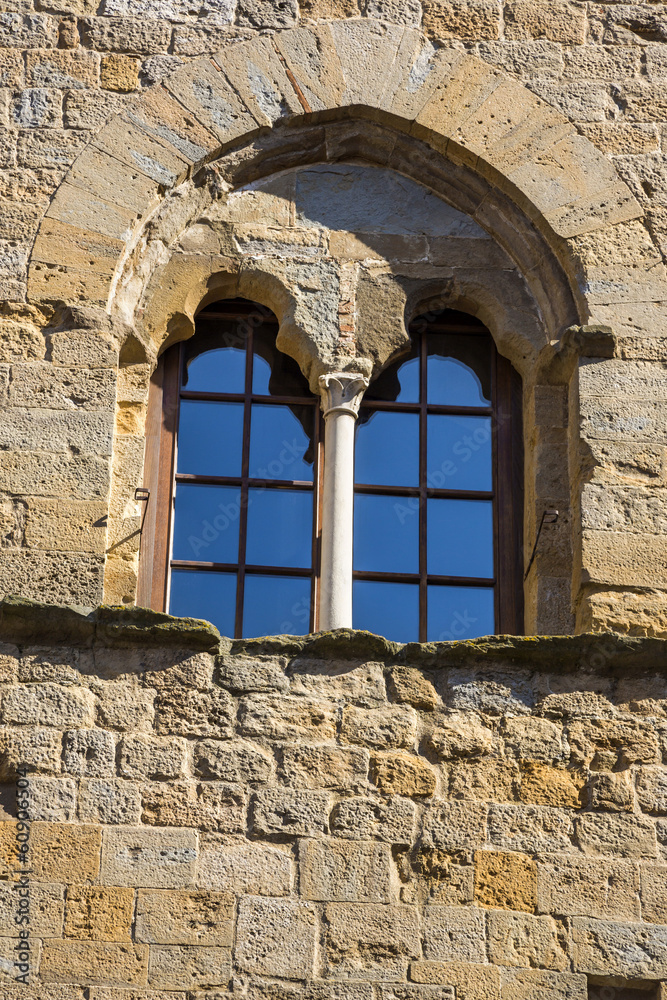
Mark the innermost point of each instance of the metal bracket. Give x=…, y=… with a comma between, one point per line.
x=142, y=495
x=548, y=517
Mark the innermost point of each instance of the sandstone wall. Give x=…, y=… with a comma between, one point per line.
x=336, y=818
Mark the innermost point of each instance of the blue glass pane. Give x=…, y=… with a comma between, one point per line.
x=210, y=438
x=221, y=370
x=387, y=450
x=386, y=534
x=387, y=609
x=459, y=370
x=408, y=376
x=280, y=527
x=261, y=373
x=460, y=613
x=459, y=453
x=206, y=523
x=207, y=595
x=460, y=538
x=276, y=605
x=279, y=446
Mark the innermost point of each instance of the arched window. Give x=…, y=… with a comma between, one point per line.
x=238, y=484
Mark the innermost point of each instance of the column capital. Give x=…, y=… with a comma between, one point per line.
x=342, y=392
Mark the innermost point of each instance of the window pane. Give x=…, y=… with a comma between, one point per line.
x=280, y=525
x=460, y=538
x=206, y=523
x=460, y=613
x=459, y=370
x=387, y=450
x=276, y=605
x=386, y=534
x=210, y=438
x=408, y=376
x=459, y=453
x=388, y=609
x=216, y=371
x=204, y=594
x=275, y=373
x=279, y=446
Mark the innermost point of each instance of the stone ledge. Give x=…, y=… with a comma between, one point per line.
x=23, y=621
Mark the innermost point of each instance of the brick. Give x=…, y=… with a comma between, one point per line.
x=611, y=948
x=152, y=758
x=616, y=835
x=185, y=967
x=504, y=880
x=364, y=819
x=63, y=852
x=340, y=871
x=243, y=868
x=370, y=940
x=99, y=913
x=94, y=963
x=89, y=753
x=276, y=937
x=519, y=939
x=454, y=933
x=194, y=917
x=574, y=886
x=237, y=762
x=382, y=729
x=296, y=813
x=402, y=774
x=161, y=859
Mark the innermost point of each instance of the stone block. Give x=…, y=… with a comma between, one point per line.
x=125, y=706
x=616, y=835
x=182, y=711
x=314, y=62
x=213, y=805
x=362, y=46
x=47, y=705
x=116, y=183
x=62, y=852
x=141, y=36
x=454, y=934
x=506, y=881
x=328, y=9
x=288, y=719
x=28, y=31
x=11, y=68
x=162, y=117
x=185, y=918
x=232, y=761
x=276, y=937
x=89, y=753
x=340, y=871
x=47, y=903
x=611, y=948
x=530, y=738
x=364, y=819
x=559, y=22
x=486, y=779
x=455, y=825
x=8, y=955
x=444, y=19
x=496, y=694
x=524, y=985
x=382, y=729
x=52, y=800
x=38, y=749
x=263, y=14
x=152, y=758
x=407, y=685
x=83, y=250
x=99, y=913
x=291, y=813
x=519, y=939
x=243, y=868
x=608, y=744
x=62, y=68
x=245, y=674
x=574, y=886
x=256, y=72
x=612, y=791
x=471, y=981
x=24, y=430
x=70, y=525
x=652, y=790
x=50, y=148
x=110, y=801
x=148, y=859
x=531, y=829
x=552, y=786
x=458, y=734
x=87, y=963
x=185, y=967
x=370, y=941
x=402, y=774
x=324, y=767
x=42, y=385
x=338, y=681
x=653, y=894
x=206, y=93
x=119, y=72
x=408, y=13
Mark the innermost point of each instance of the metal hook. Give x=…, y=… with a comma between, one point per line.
x=548, y=517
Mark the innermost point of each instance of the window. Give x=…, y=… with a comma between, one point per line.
x=233, y=532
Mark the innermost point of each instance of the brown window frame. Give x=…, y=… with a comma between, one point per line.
x=507, y=493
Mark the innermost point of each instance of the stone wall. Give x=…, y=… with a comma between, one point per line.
x=333, y=818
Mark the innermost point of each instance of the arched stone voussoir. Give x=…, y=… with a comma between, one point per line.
x=459, y=105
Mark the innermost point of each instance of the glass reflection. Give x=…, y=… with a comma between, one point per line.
x=458, y=370
x=387, y=609
x=210, y=437
x=400, y=382
x=275, y=373
x=206, y=523
x=209, y=367
x=386, y=534
x=276, y=605
x=279, y=447
x=460, y=613
x=280, y=525
x=204, y=594
x=387, y=449
x=460, y=538
x=459, y=453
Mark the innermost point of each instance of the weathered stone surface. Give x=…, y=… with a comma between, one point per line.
x=443, y=20
x=238, y=762
x=459, y=735
x=528, y=941
x=48, y=705
x=245, y=868
x=276, y=937
x=551, y=786
x=185, y=918
x=530, y=828
x=161, y=859
x=304, y=719
x=605, y=947
x=504, y=880
x=582, y=886
x=453, y=933
x=363, y=819
x=402, y=774
x=152, y=758
x=340, y=871
x=89, y=753
x=109, y=801
x=99, y=913
x=470, y=980
x=407, y=685
x=455, y=825
x=36, y=748
x=213, y=805
x=286, y=812
x=65, y=853
x=653, y=895
x=47, y=903
x=324, y=767
x=370, y=940
x=52, y=800
x=384, y=728
x=616, y=835
x=183, y=967
x=94, y=963
x=612, y=791
x=534, y=739
x=522, y=984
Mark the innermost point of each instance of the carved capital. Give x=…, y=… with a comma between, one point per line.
x=342, y=392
